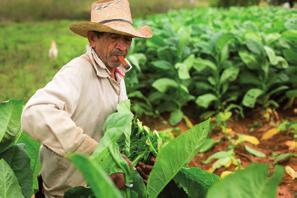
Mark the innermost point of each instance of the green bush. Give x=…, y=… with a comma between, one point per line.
x=229, y=3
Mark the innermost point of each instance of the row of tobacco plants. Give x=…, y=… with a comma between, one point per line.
x=215, y=60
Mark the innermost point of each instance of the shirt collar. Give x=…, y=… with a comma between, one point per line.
x=99, y=66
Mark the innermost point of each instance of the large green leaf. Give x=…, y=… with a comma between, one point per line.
x=249, y=78
x=184, y=35
x=163, y=84
x=184, y=67
x=19, y=162
x=195, y=181
x=250, y=98
x=291, y=55
x=174, y=155
x=95, y=176
x=291, y=37
x=291, y=93
x=137, y=60
x=224, y=40
x=202, y=64
x=274, y=59
x=230, y=74
x=252, y=182
x=205, y=100
x=32, y=148
x=10, y=128
x=222, y=45
x=255, y=47
x=249, y=59
x=116, y=125
x=162, y=64
x=175, y=117
x=9, y=185
x=139, y=188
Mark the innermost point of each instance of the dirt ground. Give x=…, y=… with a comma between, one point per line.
x=255, y=123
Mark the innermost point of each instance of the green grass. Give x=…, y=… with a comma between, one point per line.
x=24, y=62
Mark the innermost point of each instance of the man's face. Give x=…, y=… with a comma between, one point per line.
x=109, y=46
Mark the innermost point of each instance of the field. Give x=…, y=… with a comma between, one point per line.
x=234, y=67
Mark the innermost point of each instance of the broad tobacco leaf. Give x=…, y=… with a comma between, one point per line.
x=205, y=100
x=174, y=155
x=195, y=182
x=162, y=84
x=10, y=128
x=19, y=162
x=252, y=182
x=250, y=98
x=32, y=149
x=116, y=125
x=175, y=117
x=95, y=176
x=8, y=182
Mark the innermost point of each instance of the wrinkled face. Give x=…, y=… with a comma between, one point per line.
x=109, y=46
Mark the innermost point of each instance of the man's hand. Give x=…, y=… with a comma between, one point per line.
x=118, y=179
x=145, y=169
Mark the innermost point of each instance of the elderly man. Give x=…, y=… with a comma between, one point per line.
x=67, y=115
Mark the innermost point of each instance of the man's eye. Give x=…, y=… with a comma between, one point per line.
x=128, y=39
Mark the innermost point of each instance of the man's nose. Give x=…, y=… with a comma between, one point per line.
x=123, y=45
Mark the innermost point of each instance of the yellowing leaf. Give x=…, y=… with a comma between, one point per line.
x=290, y=171
x=247, y=138
x=270, y=133
x=225, y=173
x=229, y=131
x=188, y=122
x=291, y=144
x=267, y=113
x=211, y=170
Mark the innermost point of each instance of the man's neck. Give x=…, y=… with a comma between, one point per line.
x=112, y=72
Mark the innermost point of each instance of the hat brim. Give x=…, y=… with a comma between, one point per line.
x=82, y=29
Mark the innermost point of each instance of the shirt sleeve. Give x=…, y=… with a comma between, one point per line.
x=47, y=115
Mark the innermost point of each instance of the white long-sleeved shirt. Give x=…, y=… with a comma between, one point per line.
x=67, y=116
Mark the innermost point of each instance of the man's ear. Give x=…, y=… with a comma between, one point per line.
x=92, y=38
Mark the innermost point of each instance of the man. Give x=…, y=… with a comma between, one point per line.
x=67, y=115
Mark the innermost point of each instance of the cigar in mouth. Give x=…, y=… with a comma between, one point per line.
x=125, y=63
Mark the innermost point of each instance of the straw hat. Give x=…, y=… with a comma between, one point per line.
x=111, y=16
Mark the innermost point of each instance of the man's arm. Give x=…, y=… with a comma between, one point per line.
x=47, y=115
